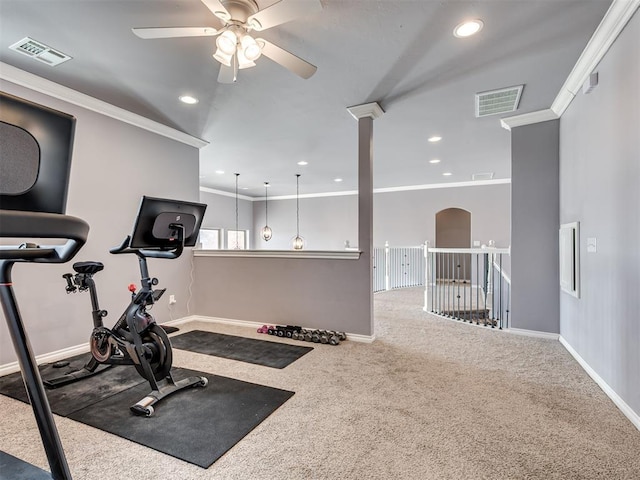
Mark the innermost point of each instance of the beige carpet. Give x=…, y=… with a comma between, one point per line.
x=429, y=399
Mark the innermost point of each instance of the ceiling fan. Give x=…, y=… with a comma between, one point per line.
x=236, y=47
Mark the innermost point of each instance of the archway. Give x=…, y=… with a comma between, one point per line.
x=453, y=230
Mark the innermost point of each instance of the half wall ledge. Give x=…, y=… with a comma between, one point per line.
x=321, y=254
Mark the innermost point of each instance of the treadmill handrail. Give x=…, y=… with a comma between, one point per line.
x=21, y=224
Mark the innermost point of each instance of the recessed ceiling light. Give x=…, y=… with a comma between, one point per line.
x=435, y=160
x=302, y=162
x=337, y=179
x=188, y=99
x=447, y=174
x=219, y=172
x=434, y=139
x=468, y=28
x=244, y=188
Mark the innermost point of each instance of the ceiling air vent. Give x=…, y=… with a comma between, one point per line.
x=498, y=101
x=482, y=176
x=39, y=51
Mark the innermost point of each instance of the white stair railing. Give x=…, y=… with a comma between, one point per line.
x=398, y=267
x=468, y=284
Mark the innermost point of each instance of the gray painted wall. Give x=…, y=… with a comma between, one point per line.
x=402, y=218
x=534, y=227
x=113, y=165
x=599, y=176
x=315, y=293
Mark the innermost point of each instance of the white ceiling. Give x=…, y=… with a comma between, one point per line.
x=399, y=53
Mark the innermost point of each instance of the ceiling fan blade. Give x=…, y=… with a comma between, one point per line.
x=174, y=32
x=282, y=12
x=217, y=9
x=288, y=60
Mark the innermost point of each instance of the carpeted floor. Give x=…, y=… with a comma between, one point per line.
x=429, y=399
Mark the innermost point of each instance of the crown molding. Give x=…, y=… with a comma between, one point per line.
x=372, y=110
x=435, y=186
x=616, y=18
x=228, y=194
x=528, y=118
x=55, y=90
x=346, y=193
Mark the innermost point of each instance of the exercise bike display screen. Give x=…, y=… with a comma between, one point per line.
x=153, y=227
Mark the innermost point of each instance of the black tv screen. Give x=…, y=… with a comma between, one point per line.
x=35, y=156
x=152, y=228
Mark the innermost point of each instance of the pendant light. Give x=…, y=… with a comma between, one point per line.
x=298, y=241
x=266, y=230
x=237, y=231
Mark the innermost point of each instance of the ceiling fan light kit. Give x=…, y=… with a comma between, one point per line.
x=226, y=42
x=235, y=48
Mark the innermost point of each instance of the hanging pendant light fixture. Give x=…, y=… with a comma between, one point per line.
x=298, y=241
x=237, y=247
x=266, y=230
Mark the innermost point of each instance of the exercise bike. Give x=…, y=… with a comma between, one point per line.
x=136, y=339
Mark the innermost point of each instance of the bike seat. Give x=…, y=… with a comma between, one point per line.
x=88, y=267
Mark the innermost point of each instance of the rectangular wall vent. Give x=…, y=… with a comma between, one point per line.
x=39, y=51
x=482, y=176
x=498, y=101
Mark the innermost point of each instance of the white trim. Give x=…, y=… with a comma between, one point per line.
x=532, y=333
x=316, y=254
x=309, y=195
x=616, y=18
x=55, y=90
x=228, y=194
x=431, y=186
x=615, y=398
x=13, y=367
x=470, y=250
x=528, y=118
x=354, y=337
x=372, y=110
x=407, y=188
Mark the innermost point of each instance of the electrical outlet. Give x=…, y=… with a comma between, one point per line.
x=172, y=299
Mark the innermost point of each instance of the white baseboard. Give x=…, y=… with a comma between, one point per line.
x=354, y=337
x=615, y=398
x=14, y=367
x=532, y=333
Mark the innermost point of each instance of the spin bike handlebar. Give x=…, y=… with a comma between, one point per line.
x=174, y=252
x=19, y=224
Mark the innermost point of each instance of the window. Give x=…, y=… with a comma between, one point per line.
x=237, y=239
x=210, y=238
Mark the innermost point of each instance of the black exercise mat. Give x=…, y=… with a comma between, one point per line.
x=12, y=468
x=169, y=328
x=197, y=425
x=250, y=350
x=69, y=398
